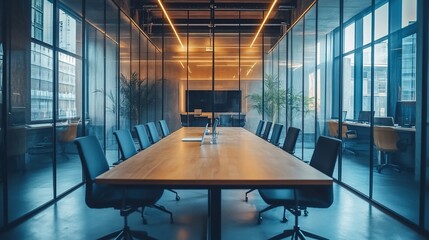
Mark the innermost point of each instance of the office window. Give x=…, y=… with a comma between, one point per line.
x=408, y=79
x=349, y=37
x=367, y=28
x=409, y=12
x=366, y=80
x=348, y=83
x=41, y=82
x=68, y=33
x=380, y=78
x=381, y=21
x=42, y=20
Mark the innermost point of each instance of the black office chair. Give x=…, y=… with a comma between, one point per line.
x=153, y=132
x=185, y=119
x=384, y=121
x=296, y=199
x=128, y=149
x=125, y=143
x=258, y=131
x=225, y=120
x=126, y=200
x=267, y=130
x=142, y=137
x=164, y=128
x=292, y=135
x=275, y=135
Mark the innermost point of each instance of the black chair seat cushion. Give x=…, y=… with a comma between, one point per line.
x=309, y=196
x=111, y=196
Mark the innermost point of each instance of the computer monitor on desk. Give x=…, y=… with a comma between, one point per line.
x=405, y=114
x=365, y=116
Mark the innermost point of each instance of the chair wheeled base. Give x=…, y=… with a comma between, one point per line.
x=126, y=233
x=296, y=232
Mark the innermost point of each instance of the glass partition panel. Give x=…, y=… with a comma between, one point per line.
x=95, y=81
x=2, y=158
x=159, y=85
x=282, y=88
x=151, y=88
x=136, y=82
x=309, y=77
x=295, y=90
x=125, y=71
x=112, y=76
x=327, y=68
x=144, y=83
x=251, y=80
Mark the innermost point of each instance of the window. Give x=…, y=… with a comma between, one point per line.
x=408, y=79
x=380, y=78
x=348, y=83
x=349, y=37
x=381, y=21
x=42, y=21
x=367, y=28
x=409, y=12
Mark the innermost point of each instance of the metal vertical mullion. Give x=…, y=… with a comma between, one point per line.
x=371, y=148
x=105, y=79
x=55, y=96
x=315, y=74
x=212, y=17
x=423, y=7
x=239, y=65
x=263, y=71
x=340, y=82
x=187, y=71
x=302, y=90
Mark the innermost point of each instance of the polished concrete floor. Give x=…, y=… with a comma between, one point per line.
x=348, y=218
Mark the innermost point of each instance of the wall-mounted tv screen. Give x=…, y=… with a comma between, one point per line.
x=224, y=100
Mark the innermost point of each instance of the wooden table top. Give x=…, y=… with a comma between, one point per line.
x=239, y=158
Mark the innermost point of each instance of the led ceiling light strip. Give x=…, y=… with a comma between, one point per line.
x=263, y=22
x=171, y=24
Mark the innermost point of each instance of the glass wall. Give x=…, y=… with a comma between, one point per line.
x=351, y=74
x=2, y=158
x=63, y=86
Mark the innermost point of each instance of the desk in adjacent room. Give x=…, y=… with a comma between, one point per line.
x=239, y=160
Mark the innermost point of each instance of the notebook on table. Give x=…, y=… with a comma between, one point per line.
x=197, y=139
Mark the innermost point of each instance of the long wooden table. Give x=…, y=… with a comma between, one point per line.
x=239, y=160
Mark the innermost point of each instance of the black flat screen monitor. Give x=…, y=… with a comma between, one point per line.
x=224, y=100
x=405, y=114
x=365, y=116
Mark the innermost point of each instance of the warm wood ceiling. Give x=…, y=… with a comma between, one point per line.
x=228, y=14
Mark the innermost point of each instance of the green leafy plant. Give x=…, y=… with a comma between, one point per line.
x=276, y=98
x=135, y=95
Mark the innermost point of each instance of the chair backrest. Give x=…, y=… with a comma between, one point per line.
x=325, y=154
x=142, y=136
x=384, y=121
x=290, y=140
x=164, y=128
x=267, y=130
x=153, y=132
x=259, y=128
x=333, y=129
x=386, y=139
x=94, y=163
x=70, y=133
x=125, y=143
x=275, y=135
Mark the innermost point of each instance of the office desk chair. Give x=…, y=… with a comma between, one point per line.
x=384, y=121
x=153, y=132
x=225, y=120
x=275, y=135
x=267, y=130
x=164, y=128
x=292, y=135
x=142, y=137
x=126, y=200
x=296, y=199
x=68, y=136
x=259, y=128
x=387, y=141
x=128, y=149
x=346, y=135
